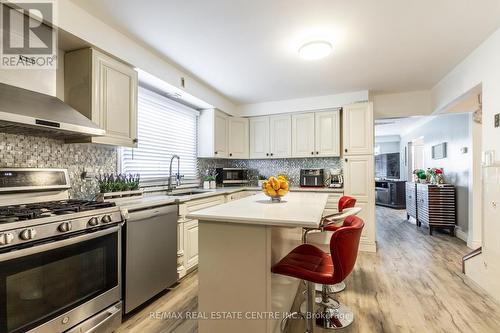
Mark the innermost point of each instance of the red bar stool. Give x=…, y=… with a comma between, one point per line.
x=330, y=223
x=312, y=265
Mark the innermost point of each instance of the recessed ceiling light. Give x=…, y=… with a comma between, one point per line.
x=315, y=50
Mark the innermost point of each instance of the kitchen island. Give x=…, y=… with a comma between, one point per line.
x=238, y=243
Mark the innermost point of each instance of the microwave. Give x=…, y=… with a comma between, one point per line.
x=312, y=177
x=231, y=176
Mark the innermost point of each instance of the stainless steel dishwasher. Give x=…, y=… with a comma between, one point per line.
x=150, y=242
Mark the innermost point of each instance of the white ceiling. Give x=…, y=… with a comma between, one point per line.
x=247, y=50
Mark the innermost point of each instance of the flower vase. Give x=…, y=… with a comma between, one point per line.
x=206, y=185
x=433, y=180
x=213, y=185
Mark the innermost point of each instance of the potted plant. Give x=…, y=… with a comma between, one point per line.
x=118, y=185
x=420, y=176
x=436, y=176
x=260, y=180
x=206, y=182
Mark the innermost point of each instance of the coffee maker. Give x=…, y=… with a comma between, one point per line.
x=336, y=178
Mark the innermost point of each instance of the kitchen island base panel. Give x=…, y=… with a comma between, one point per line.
x=235, y=275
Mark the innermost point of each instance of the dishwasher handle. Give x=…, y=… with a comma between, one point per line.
x=137, y=215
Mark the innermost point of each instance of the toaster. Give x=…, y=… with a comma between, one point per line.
x=312, y=177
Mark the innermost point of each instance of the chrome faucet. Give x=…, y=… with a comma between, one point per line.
x=177, y=175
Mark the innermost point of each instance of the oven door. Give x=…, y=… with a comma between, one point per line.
x=55, y=285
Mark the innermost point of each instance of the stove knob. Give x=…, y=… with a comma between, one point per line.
x=93, y=221
x=65, y=227
x=27, y=234
x=6, y=238
x=106, y=219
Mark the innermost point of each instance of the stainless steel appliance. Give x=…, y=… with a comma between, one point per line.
x=150, y=253
x=30, y=112
x=60, y=259
x=312, y=177
x=336, y=179
x=232, y=176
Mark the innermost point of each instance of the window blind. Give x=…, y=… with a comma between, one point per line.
x=165, y=128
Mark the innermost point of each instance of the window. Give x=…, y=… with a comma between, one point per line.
x=165, y=128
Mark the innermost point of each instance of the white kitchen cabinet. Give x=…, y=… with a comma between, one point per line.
x=359, y=177
x=359, y=183
x=270, y=136
x=259, y=137
x=357, y=123
x=327, y=133
x=103, y=89
x=213, y=134
x=280, y=136
x=303, y=135
x=191, y=243
x=238, y=144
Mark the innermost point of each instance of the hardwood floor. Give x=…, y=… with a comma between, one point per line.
x=412, y=284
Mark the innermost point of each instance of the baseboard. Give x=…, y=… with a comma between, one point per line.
x=461, y=234
x=367, y=246
x=474, y=244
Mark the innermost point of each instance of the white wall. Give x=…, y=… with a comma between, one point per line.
x=302, y=104
x=481, y=67
x=406, y=104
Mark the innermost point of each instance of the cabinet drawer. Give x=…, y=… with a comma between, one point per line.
x=198, y=204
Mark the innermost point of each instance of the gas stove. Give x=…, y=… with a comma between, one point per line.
x=50, y=244
x=46, y=209
x=28, y=211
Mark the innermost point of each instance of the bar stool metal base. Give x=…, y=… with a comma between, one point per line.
x=334, y=318
x=332, y=288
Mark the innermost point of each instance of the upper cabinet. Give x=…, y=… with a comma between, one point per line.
x=104, y=90
x=327, y=133
x=280, y=136
x=357, y=125
x=259, y=137
x=238, y=137
x=303, y=135
x=316, y=134
x=222, y=136
x=270, y=136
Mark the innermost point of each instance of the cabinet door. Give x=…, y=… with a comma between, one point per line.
x=327, y=130
x=220, y=135
x=259, y=137
x=303, y=135
x=191, y=243
x=359, y=179
x=358, y=129
x=238, y=138
x=280, y=136
x=115, y=101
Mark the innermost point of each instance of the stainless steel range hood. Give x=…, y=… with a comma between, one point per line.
x=27, y=112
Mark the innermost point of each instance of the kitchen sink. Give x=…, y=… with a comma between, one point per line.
x=181, y=194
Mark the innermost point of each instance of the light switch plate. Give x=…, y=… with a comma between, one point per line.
x=497, y=120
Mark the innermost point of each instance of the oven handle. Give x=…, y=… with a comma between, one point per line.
x=57, y=244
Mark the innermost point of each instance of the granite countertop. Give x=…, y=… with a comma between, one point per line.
x=297, y=209
x=164, y=199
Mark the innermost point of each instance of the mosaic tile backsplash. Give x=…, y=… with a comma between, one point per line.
x=270, y=167
x=20, y=151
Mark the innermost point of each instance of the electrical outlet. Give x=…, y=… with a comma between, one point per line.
x=497, y=120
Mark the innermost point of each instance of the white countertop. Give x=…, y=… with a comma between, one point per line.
x=163, y=199
x=297, y=209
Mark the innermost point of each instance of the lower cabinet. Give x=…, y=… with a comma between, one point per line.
x=187, y=252
x=191, y=243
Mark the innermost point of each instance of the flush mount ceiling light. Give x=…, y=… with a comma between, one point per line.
x=315, y=50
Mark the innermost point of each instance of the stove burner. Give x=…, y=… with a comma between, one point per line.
x=45, y=209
